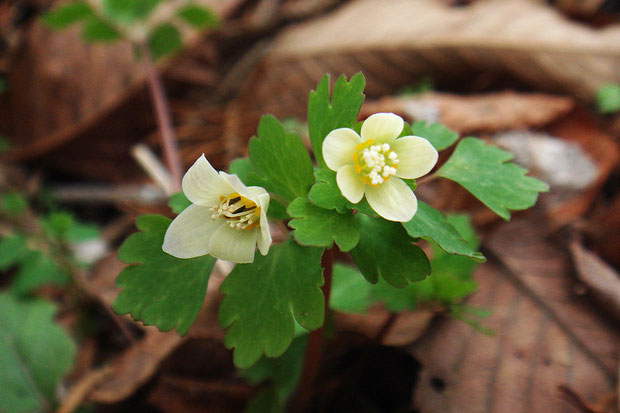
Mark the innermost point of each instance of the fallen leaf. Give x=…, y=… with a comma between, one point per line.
x=601, y=279
x=525, y=40
x=477, y=113
x=545, y=336
x=135, y=366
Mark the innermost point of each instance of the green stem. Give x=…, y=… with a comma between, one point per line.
x=312, y=360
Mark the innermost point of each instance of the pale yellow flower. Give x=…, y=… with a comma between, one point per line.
x=374, y=163
x=226, y=219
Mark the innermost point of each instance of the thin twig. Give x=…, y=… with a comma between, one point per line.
x=312, y=360
x=164, y=119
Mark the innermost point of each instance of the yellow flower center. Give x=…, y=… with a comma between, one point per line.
x=374, y=163
x=239, y=212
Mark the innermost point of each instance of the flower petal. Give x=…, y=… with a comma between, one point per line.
x=203, y=185
x=238, y=186
x=382, y=127
x=339, y=146
x=350, y=183
x=234, y=245
x=264, y=238
x=189, y=234
x=393, y=200
x=417, y=156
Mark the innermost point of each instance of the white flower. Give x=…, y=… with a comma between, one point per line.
x=226, y=219
x=374, y=164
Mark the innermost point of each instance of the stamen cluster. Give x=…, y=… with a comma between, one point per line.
x=240, y=212
x=375, y=163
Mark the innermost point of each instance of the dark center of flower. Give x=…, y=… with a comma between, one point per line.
x=239, y=212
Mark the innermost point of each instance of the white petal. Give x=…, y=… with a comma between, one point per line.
x=417, y=156
x=264, y=238
x=189, y=234
x=339, y=146
x=382, y=127
x=350, y=183
x=233, y=244
x=203, y=185
x=393, y=200
x=239, y=187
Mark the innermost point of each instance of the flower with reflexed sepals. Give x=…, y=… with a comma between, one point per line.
x=374, y=163
x=226, y=219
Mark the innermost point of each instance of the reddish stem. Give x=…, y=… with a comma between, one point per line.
x=164, y=119
x=312, y=360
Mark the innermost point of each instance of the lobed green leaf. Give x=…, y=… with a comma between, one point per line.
x=484, y=171
x=67, y=14
x=165, y=39
x=178, y=202
x=385, y=250
x=325, y=114
x=431, y=224
x=440, y=136
x=198, y=16
x=320, y=227
x=608, y=98
x=263, y=300
x=128, y=11
x=242, y=167
x=97, y=30
x=281, y=160
x=350, y=291
x=159, y=289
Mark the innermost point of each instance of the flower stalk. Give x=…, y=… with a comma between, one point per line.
x=164, y=119
x=314, y=349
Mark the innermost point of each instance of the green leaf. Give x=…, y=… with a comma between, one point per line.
x=35, y=354
x=164, y=40
x=326, y=193
x=608, y=98
x=320, y=227
x=62, y=225
x=67, y=14
x=12, y=249
x=282, y=373
x=198, y=16
x=178, y=202
x=128, y=11
x=159, y=289
x=431, y=224
x=97, y=30
x=350, y=290
x=440, y=136
x=242, y=167
x=325, y=114
x=281, y=159
x=13, y=204
x=386, y=250
x=484, y=171
x=262, y=298
x=37, y=270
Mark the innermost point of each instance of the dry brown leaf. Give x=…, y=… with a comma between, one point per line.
x=406, y=328
x=545, y=337
x=601, y=279
x=395, y=42
x=134, y=367
x=477, y=113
